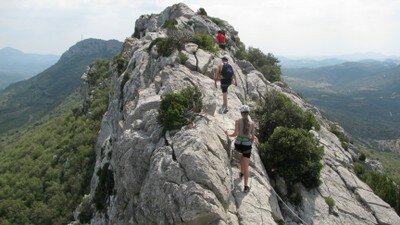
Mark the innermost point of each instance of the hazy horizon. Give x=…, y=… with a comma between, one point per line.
x=289, y=28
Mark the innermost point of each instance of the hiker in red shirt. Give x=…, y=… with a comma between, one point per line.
x=221, y=39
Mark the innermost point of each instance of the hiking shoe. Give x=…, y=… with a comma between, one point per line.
x=241, y=175
x=225, y=110
x=246, y=189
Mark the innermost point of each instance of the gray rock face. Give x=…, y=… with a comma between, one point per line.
x=191, y=176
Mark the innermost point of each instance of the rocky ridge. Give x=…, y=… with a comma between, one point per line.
x=191, y=176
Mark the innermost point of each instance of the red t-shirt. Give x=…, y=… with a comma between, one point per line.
x=221, y=38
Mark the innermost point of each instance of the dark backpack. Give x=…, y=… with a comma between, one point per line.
x=227, y=71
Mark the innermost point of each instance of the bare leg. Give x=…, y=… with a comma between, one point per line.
x=225, y=99
x=245, y=169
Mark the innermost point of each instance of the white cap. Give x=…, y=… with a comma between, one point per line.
x=244, y=108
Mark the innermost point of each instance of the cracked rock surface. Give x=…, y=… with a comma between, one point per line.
x=191, y=176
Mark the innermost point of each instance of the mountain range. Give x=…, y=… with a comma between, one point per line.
x=26, y=101
x=16, y=65
x=362, y=96
x=112, y=160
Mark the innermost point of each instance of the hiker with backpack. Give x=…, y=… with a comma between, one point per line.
x=221, y=39
x=226, y=75
x=245, y=136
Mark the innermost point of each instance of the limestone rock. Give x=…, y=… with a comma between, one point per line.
x=191, y=175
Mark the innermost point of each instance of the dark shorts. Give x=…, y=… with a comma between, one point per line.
x=244, y=149
x=225, y=84
x=222, y=46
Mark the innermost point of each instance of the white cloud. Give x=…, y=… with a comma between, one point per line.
x=283, y=27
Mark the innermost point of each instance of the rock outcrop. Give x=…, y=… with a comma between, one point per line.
x=191, y=176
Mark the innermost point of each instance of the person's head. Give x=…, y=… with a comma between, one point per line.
x=244, y=110
x=224, y=59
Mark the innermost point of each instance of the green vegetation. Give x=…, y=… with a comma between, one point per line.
x=287, y=148
x=205, y=41
x=202, y=12
x=355, y=95
x=45, y=170
x=85, y=210
x=294, y=154
x=330, y=202
x=217, y=21
x=170, y=24
x=382, y=185
x=105, y=187
x=389, y=160
x=266, y=64
x=165, y=46
x=279, y=110
x=119, y=63
x=28, y=101
x=342, y=137
x=182, y=58
x=178, y=109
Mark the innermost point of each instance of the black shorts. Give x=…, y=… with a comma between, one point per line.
x=225, y=84
x=222, y=46
x=244, y=149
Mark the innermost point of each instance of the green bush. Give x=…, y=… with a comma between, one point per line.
x=202, y=12
x=165, y=46
x=279, y=110
x=170, y=24
x=85, y=210
x=205, y=41
x=383, y=186
x=119, y=63
x=182, y=58
x=362, y=157
x=330, y=202
x=178, y=109
x=105, y=187
x=342, y=137
x=294, y=154
x=217, y=21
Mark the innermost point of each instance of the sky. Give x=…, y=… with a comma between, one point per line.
x=282, y=27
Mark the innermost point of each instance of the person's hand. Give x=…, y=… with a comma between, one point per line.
x=226, y=132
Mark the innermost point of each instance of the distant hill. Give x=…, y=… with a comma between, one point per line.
x=16, y=65
x=308, y=63
x=364, y=97
x=26, y=101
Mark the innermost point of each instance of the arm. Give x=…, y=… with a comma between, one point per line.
x=216, y=74
x=236, y=132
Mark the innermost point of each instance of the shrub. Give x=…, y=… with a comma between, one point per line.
x=120, y=63
x=104, y=188
x=202, y=12
x=85, y=210
x=205, y=41
x=279, y=110
x=342, y=137
x=295, y=156
x=165, y=46
x=330, y=202
x=178, y=109
x=362, y=157
x=217, y=21
x=170, y=24
x=266, y=64
x=182, y=58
